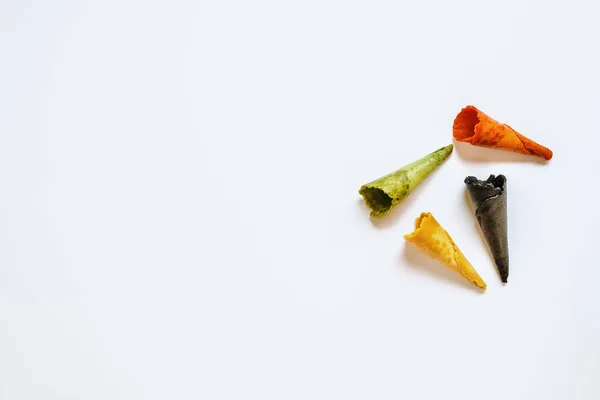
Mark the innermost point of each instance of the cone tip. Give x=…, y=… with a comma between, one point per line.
x=447, y=149
x=440, y=154
x=533, y=147
x=502, y=266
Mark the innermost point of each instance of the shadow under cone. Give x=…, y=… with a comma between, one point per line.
x=473, y=126
x=383, y=194
x=489, y=198
x=431, y=239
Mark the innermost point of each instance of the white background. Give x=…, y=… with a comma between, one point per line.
x=179, y=216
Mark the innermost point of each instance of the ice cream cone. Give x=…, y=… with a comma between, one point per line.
x=430, y=238
x=489, y=198
x=383, y=194
x=475, y=127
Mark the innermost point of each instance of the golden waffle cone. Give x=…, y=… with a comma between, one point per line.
x=430, y=238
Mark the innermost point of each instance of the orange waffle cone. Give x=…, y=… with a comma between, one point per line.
x=475, y=127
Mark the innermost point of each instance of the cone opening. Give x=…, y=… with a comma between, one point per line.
x=464, y=124
x=377, y=200
x=418, y=222
x=497, y=181
x=471, y=180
